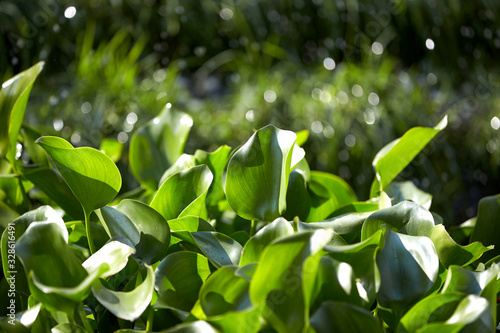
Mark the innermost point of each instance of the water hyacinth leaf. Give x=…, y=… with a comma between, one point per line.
x=127, y=305
x=216, y=162
x=67, y=328
x=471, y=315
x=12, y=193
x=153, y=230
x=461, y=233
x=188, y=224
x=406, y=217
x=50, y=182
x=7, y=326
x=344, y=317
x=225, y=290
x=344, y=224
x=222, y=250
x=337, y=281
x=185, y=161
x=199, y=326
x=15, y=230
x=90, y=174
x=450, y=253
x=184, y=194
x=113, y=254
x=255, y=246
x=395, y=156
x=36, y=153
x=282, y=278
x=461, y=280
x=297, y=196
x=361, y=257
x=434, y=308
x=257, y=174
x=112, y=148
x=335, y=187
x=405, y=261
x=401, y=191
x=356, y=207
x=178, y=279
x=487, y=230
x=155, y=146
x=13, y=99
x=54, y=265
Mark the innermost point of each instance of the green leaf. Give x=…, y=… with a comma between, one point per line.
x=112, y=148
x=434, y=308
x=53, y=185
x=403, y=262
x=347, y=224
x=471, y=315
x=257, y=174
x=400, y=191
x=361, y=257
x=395, y=156
x=155, y=146
x=225, y=290
x=298, y=202
x=178, y=279
x=335, y=187
x=256, y=245
x=283, y=278
x=127, y=305
x=487, y=230
x=91, y=175
x=13, y=99
x=344, y=317
x=12, y=234
x=185, y=161
x=188, y=224
x=222, y=250
x=450, y=253
x=199, y=326
x=461, y=280
x=406, y=217
x=113, y=256
x=184, y=194
x=67, y=328
x=56, y=277
x=142, y=225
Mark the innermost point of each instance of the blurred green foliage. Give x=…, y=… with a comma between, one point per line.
x=356, y=74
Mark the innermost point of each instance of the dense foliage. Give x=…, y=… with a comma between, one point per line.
x=235, y=240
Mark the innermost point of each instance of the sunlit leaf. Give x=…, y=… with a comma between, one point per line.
x=400, y=191
x=257, y=174
x=112, y=148
x=156, y=146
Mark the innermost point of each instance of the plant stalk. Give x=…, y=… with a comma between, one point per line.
x=89, y=233
x=149, y=323
x=253, y=226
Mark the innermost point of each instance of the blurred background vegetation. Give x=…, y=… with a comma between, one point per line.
x=356, y=74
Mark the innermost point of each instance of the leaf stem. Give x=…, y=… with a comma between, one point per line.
x=149, y=323
x=83, y=318
x=253, y=226
x=89, y=233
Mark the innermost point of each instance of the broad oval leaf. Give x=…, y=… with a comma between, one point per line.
x=157, y=145
x=461, y=280
x=184, y=194
x=178, y=279
x=403, y=262
x=255, y=246
x=450, y=253
x=405, y=217
x=344, y=317
x=222, y=250
x=395, y=156
x=188, y=224
x=257, y=174
x=127, y=305
x=13, y=99
x=90, y=174
x=114, y=255
x=401, y=191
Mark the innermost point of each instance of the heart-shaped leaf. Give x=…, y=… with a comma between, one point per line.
x=178, y=279
x=257, y=174
x=405, y=261
x=450, y=253
x=90, y=174
x=127, y=305
x=255, y=246
x=157, y=145
x=184, y=194
x=395, y=156
x=13, y=99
